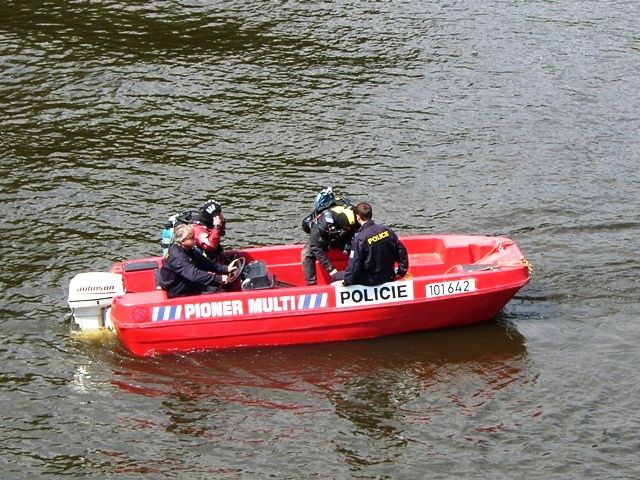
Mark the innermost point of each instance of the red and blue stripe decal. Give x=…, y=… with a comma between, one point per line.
x=312, y=300
x=170, y=312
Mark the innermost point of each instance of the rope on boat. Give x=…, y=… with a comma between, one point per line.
x=522, y=262
x=499, y=247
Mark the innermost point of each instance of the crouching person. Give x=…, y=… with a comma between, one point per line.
x=186, y=272
x=375, y=251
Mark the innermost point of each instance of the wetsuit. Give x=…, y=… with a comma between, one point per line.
x=375, y=251
x=326, y=233
x=208, y=238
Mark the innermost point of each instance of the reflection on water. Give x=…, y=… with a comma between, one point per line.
x=416, y=359
x=375, y=386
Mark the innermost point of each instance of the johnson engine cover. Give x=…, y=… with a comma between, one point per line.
x=90, y=296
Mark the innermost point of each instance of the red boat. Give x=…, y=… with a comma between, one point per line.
x=453, y=280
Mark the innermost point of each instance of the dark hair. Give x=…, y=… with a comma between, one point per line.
x=364, y=211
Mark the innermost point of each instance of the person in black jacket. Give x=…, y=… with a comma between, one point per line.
x=375, y=251
x=332, y=229
x=186, y=272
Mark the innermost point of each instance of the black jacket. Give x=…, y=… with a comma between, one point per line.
x=374, y=253
x=326, y=233
x=187, y=272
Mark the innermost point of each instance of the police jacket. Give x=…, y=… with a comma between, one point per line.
x=326, y=233
x=187, y=272
x=374, y=252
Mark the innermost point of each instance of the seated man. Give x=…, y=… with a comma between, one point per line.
x=333, y=229
x=375, y=251
x=185, y=272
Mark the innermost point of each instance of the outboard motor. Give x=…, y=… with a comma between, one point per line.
x=90, y=296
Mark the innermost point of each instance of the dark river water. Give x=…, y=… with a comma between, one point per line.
x=500, y=117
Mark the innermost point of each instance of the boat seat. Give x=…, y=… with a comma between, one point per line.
x=424, y=259
x=141, y=276
x=136, y=299
x=137, y=266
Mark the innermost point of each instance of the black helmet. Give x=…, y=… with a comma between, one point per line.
x=210, y=209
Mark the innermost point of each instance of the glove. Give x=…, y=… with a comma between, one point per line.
x=399, y=272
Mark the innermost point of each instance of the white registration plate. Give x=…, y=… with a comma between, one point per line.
x=457, y=287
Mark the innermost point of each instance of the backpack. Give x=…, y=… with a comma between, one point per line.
x=324, y=200
x=185, y=216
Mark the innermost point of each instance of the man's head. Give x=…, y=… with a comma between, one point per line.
x=364, y=212
x=183, y=236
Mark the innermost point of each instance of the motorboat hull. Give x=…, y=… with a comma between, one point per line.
x=453, y=280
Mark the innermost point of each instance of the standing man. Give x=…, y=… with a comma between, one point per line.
x=374, y=252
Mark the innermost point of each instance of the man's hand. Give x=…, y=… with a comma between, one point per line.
x=399, y=272
x=233, y=266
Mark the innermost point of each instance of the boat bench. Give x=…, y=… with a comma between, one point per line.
x=425, y=264
x=141, y=276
